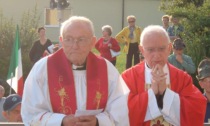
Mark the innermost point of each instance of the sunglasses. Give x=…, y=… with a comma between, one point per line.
x=131, y=21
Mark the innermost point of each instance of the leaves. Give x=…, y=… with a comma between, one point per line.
x=28, y=25
x=195, y=17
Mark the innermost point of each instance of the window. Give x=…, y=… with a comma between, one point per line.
x=54, y=17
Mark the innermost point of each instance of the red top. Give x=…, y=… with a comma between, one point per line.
x=105, y=50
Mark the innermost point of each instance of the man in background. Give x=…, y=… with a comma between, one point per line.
x=204, y=81
x=2, y=99
x=11, y=108
x=176, y=29
x=179, y=59
x=165, y=21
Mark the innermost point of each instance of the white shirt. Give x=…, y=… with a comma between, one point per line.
x=171, y=101
x=36, y=106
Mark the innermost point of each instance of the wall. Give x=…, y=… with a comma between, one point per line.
x=101, y=12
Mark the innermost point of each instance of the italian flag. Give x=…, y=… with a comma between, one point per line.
x=15, y=74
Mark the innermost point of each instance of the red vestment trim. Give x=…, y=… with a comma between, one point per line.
x=62, y=87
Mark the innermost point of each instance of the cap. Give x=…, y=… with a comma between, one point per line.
x=11, y=102
x=203, y=69
x=178, y=44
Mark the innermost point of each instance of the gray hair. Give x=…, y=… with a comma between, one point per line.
x=153, y=29
x=107, y=28
x=131, y=17
x=76, y=19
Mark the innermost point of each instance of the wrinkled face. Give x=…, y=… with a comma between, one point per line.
x=205, y=84
x=77, y=42
x=14, y=114
x=155, y=49
x=165, y=21
x=131, y=22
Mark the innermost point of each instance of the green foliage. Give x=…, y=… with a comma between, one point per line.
x=7, y=30
x=195, y=17
x=28, y=25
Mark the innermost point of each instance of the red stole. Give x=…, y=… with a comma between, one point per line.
x=62, y=87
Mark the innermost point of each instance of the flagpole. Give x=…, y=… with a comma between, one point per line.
x=10, y=91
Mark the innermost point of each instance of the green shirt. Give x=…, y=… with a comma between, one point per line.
x=187, y=64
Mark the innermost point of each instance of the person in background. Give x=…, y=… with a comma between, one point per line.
x=204, y=81
x=175, y=30
x=160, y=94
x=62, y=88
x=179, y=59
x=106, y=42
x=40, y=46
x=130, y=37
x=2, y=99
x=165, y=21
x=12, y=108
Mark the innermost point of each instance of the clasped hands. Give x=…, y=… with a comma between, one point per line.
x=71, y=120
x=179, y=58
x=158, y=80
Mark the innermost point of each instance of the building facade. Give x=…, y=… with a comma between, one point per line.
x=101, y=12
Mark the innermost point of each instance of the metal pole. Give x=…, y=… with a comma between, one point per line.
x=123, y=13
x=60, y=20
x=10, y=90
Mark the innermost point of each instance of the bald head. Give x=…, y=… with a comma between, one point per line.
x=153, y=31
x=74, y=20
x=155, y=45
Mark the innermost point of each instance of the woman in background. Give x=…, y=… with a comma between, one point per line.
x=40, y=46
x=106, y=42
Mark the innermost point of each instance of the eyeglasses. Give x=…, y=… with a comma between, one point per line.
x=82, y=41
x=131, y=21
x=152, y=50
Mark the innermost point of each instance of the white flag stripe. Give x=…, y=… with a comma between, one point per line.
x=20, y=70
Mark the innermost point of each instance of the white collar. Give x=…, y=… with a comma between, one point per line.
x=74, y=67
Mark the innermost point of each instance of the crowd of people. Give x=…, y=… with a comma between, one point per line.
x=72, y=86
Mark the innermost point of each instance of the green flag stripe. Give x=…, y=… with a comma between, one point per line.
x=14, y=56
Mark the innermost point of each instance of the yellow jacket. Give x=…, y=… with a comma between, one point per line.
x=123, y=36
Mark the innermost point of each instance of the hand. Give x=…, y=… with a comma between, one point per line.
x=87, y=121
x=179, y=58
x=109, y=45
x=70, y=120
x=45, y=53
x=55, y=48
x=158, y=79
x=126, y=43
x=154, y=85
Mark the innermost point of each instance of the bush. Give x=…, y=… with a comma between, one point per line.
x=28, y=25
x=195, y=17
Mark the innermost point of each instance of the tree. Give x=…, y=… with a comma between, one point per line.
x=28, y=25
x=195, y=17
